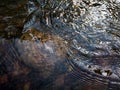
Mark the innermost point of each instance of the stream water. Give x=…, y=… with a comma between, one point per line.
x=85, y=38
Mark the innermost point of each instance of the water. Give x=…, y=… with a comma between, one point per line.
x=91, y=27
x=88, y=31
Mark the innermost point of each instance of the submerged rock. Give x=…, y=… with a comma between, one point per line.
x=41, y=50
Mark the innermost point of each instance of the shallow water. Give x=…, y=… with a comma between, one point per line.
x=84, y=48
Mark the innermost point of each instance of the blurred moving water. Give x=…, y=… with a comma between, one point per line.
x=85, y=38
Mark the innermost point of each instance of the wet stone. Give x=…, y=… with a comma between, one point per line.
x=41, y=50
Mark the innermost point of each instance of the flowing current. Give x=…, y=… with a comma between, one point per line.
x=91, y=29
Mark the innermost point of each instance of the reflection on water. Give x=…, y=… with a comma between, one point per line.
x=60, y=44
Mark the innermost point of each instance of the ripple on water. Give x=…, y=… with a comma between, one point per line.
x=85, y=32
